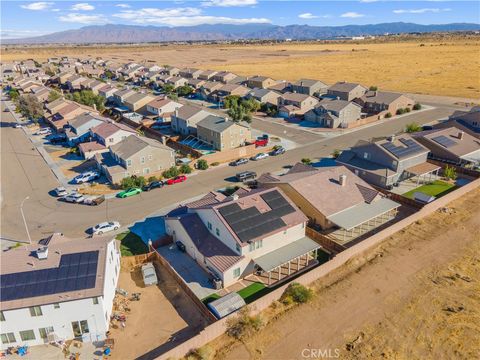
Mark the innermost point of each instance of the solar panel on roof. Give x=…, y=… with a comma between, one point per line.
x=444, y=141
x=411, y=147
x=75, y=272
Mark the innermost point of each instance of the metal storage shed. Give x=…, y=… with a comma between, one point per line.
x=226, y=305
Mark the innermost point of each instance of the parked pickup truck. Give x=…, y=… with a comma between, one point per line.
x=262, y=140
x=93, y=201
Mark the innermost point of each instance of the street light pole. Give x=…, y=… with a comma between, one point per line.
x=25, y=221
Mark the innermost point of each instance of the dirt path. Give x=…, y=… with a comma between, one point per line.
x=379, y=296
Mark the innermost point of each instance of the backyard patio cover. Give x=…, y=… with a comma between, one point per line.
x=422, y=169
x=283, y=255
x=361, y=213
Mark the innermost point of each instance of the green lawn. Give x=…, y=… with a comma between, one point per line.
x=210, y=298
x=131, y=244
x=437, y=188
x=253, y=291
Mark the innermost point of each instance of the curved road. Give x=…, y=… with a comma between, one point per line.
x=25, y=173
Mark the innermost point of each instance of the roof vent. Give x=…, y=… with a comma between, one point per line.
x=42, y=253
x=342, y=179
x=234, y=197
x=391, y=138
x=460, y=135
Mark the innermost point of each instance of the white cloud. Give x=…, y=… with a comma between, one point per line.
x=229, y=3
x=83, y=7
x=17, y=34
x=368, y=1
x=124, y=6
x=152, y=14
x=83, y=18
x=420, y=11
x=307, y=16
x=37, y=5
x=351, y=14
x=55, y=10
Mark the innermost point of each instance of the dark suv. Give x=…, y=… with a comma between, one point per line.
x=246, y=175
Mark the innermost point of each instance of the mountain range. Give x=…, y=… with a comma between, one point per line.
x=138, y=34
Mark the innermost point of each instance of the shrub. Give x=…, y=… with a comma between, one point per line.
x=202, y=164
x=336, y=153
x=203, y=353
x=216, y=163
x=417, y=106
x=373, y=88
x=407, y=110
x=388, y=115
x=297, y=293
x=170, y=173
x=152, y=179
x=244, y=325
x=306, y=161
x=185, y=169
x=400, y=111
x=132, y=181
x=412, y=127
x=450, y=173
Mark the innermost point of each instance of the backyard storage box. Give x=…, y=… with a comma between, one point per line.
x=423, y=198
x=226, y=305
x=149, y=274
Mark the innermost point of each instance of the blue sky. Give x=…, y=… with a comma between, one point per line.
x=25, y=19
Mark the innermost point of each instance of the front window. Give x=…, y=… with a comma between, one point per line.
x=236, y=272
x=142, y=159
x=209, y=226
x=95, y=300
x=56, y=306
x=217, y=232
x=27, y=335
x=45, y=331
x=129, y=163
x=2, y=317
x=251, y=246
x=80, y=327
x=8, y=338
x=36, y=311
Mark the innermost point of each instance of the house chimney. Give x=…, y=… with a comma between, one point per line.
x=42, y=253
x=234, y=197
x=164, y=140
x=342, y=179
x=391, y=138
x=338, y=97
x=460, y=135
x=94, y=106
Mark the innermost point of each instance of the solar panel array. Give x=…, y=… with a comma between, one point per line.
x=250, y=223
x=444, y=141
x=76, y=271
x=411, y=148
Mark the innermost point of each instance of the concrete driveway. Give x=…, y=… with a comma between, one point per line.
x=194, y=276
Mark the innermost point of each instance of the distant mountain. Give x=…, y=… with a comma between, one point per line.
x=137, y=34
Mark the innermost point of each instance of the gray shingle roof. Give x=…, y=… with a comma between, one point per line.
x=133, y=144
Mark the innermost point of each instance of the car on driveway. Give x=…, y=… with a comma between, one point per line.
x=278, y=151
x=152, y=185
x=259, y=156
x=93, y=201
x=86, y=177
x=60, y=191
x=239, y=162
x=17, y=126
x=149, y=274
x=44, y=131
x=129, y=192
x=104, y=227
x=57, y=139
x=176, y=180
x=73, y=198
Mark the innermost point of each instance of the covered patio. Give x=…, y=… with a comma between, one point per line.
x=286, y=261
x=417, y=175
x=361, y=219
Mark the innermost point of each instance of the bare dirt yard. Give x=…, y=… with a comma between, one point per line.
x=416, y=296
x=429, y=66
x=162, y=318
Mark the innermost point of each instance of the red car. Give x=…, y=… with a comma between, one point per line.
x=176, y=180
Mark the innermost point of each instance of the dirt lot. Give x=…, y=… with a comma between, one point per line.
x=441, y=67
x=163, y=316
x=414, y=297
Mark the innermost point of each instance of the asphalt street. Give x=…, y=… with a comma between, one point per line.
x=25, y=173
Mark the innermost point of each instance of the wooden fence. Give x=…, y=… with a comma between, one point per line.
x=327, y=243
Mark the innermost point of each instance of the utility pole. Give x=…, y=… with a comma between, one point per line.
x=25, y=221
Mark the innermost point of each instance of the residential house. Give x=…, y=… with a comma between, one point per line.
x=27, y=86
x=75, y=82
x=224, y=77
x=334, y=199
x=208, y=89
x=64, y=76
x=64, y=114
x=107, y=91
x=190, y=73
x=109, y=133
x=58, y=289
x=55, y=105
x=176, y=81
x=451, y=145
x=135, y=155
x=163, y=108
x=41, y=93
x=309, y=87
x=207, y=74
x=334, y=113
x=185, y=119
x=196, y=84
x=121, y=95
x=170, y=70
x=96, y=85
x=89, y=149
x=346, y=91
x=223, y=134
x=79, y=127
x=261, y=232
x=261, y=82
x=281, y=87
x=228, y=90
x=155, y=68
x=138, y=101
x=388, y=161
x=374, y=102
x=264, y=96
x=295, y=104
x=469, y=120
